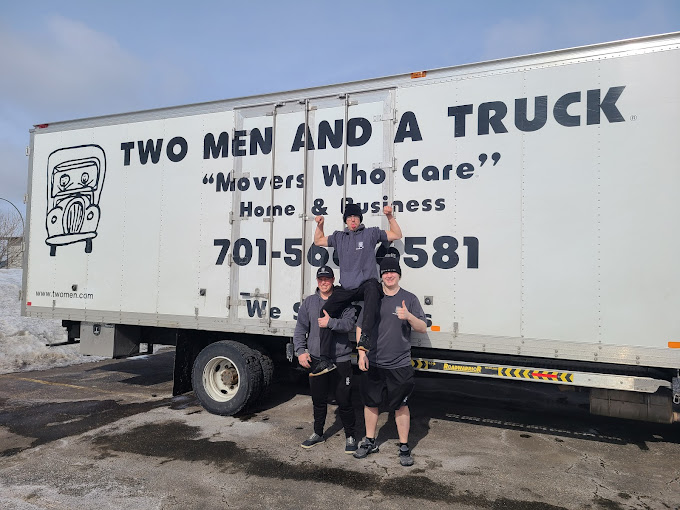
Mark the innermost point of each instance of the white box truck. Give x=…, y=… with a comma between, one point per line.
x=539, y=198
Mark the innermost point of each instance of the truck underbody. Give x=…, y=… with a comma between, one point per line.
x=230, y=371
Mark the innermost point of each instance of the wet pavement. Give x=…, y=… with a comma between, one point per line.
x=110, y=435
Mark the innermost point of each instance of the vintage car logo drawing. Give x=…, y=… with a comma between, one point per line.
x=75, y=177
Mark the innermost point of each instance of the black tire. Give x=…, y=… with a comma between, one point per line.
x=266, y=363
x=227, y=376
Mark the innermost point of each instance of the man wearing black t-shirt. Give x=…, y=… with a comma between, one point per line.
x=388, y=365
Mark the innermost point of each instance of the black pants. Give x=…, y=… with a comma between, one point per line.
x=339, y=381
x=370, y=292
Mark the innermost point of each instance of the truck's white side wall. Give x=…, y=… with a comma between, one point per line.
x=213, y=222
x=559, y=212
x=640, y=183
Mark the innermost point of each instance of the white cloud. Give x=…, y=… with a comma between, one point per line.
x=61, y=69
x=68, y=68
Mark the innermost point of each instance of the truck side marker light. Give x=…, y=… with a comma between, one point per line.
x=28, y=303
x=435, y=328
x=419, y=74
x=674, y=345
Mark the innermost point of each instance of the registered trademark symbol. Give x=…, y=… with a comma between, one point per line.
x=633, y=117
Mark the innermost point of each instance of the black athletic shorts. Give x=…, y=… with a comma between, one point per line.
x=397, y=383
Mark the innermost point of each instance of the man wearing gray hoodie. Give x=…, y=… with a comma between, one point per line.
x=306, y=339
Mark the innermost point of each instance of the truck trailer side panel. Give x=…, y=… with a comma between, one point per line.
x=538, y=198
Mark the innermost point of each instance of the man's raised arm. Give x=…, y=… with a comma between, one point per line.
x=319, y=238
x=394, y=233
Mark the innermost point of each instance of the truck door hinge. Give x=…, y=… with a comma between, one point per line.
x=384, y=166
x=392, y=115
x=387, y=165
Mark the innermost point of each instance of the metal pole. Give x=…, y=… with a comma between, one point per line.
x=305, y=172
x=346, y=170
x=23, y=226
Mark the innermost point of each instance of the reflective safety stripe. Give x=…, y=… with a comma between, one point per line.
x=585, y=379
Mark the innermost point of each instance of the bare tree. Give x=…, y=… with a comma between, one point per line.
x=10, y=239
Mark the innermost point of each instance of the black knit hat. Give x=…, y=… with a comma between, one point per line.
x=390, y=265
x=352, y=210
x=325, y=272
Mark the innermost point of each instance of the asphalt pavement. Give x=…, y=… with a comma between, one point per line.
x=110, y=435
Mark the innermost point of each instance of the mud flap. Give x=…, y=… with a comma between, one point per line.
x=188, y=347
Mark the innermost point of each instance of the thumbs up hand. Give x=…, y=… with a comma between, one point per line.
x=403, y=312
x=323, y=321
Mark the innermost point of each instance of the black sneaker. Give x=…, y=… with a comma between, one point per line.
x=365, y=448
x=350, y=445
x=322, y=367
x=364, y=343
x=405, y=458
x=313, y=440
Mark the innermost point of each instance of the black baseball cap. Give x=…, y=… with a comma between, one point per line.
x=390, y=265
x=352, y=210
x=325, y=272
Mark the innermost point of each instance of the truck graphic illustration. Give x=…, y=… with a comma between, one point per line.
x=74, y=185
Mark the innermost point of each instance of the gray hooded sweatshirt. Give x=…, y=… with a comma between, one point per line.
x=306, y=336
x=356, y=253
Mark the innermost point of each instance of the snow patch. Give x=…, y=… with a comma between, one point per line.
x=23, y=340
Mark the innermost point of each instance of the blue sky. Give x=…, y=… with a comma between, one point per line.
x=72, y=59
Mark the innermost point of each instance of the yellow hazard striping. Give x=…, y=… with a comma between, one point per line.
x=540, y=375
x=421, y=364
x=486, y=370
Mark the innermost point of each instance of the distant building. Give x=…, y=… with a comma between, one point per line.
x=11, y=251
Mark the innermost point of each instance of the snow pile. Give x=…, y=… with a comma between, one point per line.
x=23, y=339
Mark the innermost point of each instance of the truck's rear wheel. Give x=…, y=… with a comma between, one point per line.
x=266, y=363
x=226, y=377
